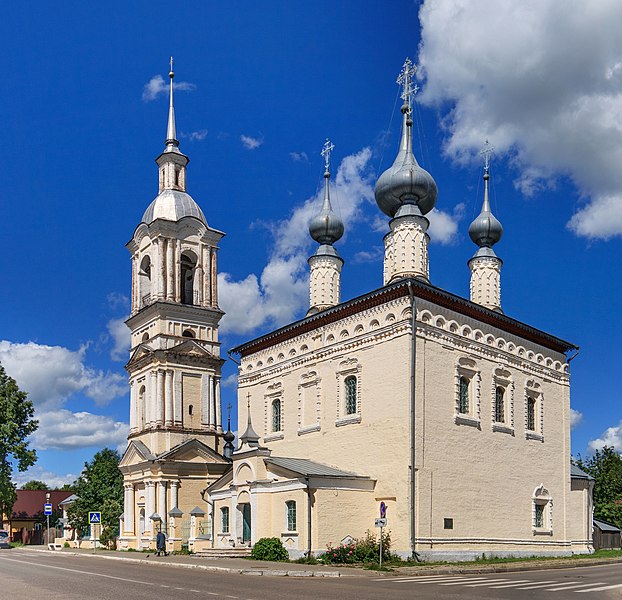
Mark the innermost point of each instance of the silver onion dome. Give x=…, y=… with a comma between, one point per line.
x=173, y=205
x=485, y=230
x=405, y=182
x=326, y=227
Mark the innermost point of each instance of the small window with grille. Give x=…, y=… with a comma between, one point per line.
x=291, y=515
x=500, y=404
x=463, y=398
x=350, y=387
x=276, y=415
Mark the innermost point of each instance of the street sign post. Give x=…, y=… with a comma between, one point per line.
x=47, y=509
x=95, y=518
x=381, y=522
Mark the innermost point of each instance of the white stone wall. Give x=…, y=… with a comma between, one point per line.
x=486, y=281
x=324, y=281
x=406, y=249
x=470, y=469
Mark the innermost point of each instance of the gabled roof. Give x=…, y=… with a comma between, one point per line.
x=136, y=450
x=399, y=289
x=309, y=468
x=29, y=503
x=189, y=347
x=191, y=446
x=576, y=473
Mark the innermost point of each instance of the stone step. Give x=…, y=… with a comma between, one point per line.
x=225, y=552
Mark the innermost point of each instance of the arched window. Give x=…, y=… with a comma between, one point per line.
x=276, y=415
x=188, y=333
x=463, y=398
x=499, y=405
x=291, y=515
x=350, y=385
x=141, y=407
x=531, y=413
x=188, y=266
x=144, y=277
x=145, y=337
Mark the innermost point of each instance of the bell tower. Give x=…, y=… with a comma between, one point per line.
x=175, y=362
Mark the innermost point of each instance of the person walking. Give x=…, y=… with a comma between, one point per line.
x=161, y=544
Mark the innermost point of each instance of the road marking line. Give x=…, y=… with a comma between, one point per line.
x=600, y=589
x=463, y=582
x=414, y=578
x=426, y=580
x=540, y=584
x=486, y=582
x=78, y=571
x=517, y=582
x=197, y=591
x=576, y=585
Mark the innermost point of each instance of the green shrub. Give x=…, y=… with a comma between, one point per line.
x=66, y=545
x=269, y=549
x=362, y=550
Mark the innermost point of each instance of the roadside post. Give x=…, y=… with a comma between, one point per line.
x=381, y=522
x=47, y=511
x=95, y=521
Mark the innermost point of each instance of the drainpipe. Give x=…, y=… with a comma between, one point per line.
x=308, y=518
x=413, y=350
x=211, y=503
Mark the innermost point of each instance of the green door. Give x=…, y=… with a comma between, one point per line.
x=246, y=522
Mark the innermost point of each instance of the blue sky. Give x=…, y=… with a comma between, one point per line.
x=260, y=87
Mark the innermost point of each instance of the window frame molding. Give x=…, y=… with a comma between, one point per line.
x=307, y=381
x=273, y=393
x=533, y=389
x=348, y=367
x=288, y=504
x=467, y=367
x=502, y=378
x=542, y=497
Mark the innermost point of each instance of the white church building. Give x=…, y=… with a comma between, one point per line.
x=451, y=413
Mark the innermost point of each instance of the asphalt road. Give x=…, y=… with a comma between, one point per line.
x=26, y=575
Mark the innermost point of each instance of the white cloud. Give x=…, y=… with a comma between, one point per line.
x=299, y=156
x=250, y=143
x=116, y=300
x=543, y=83
x=612, y=437
x=230, y=381
x=54, y=480
x=120, y=334
x=280, y=293
x=156, y=86
x=51, y=374
x=65, y=430
x=575, y=418
x=194, y=136
x=374, y=255
x=444, y=226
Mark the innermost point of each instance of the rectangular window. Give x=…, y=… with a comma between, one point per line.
x=539, y=521
x=291, y=515
x=224, y=519
x=350, y=384
x=448, y=523
x=531, y=413
x=499, y=405
x=276, y=415
x=463, y=399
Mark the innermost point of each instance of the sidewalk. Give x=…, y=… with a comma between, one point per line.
x=243, y=566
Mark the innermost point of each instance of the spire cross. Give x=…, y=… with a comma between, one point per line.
x=406, y=80
x=486, y=152
x=171, y=73
x=248, y=401
x=229, y=409
x=326, y=150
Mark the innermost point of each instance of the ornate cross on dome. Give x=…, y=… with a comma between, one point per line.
x=406, y=80
x=326, y=150
x=248, y=402
x=486, y=152
x=171, y=74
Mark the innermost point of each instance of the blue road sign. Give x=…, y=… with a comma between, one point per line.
x=47, y=509
x=95, y=518
x=383, y=510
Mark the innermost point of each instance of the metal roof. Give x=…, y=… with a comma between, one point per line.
x=173, y=205
x=308, y=468
x=604, y=526
x=577, y=473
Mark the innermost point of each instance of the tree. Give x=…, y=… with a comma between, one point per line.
x=99, y=488
x=605, y=466
x=16, y=424
x=35, y=484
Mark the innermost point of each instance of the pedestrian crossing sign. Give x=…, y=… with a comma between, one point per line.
x=95, y=518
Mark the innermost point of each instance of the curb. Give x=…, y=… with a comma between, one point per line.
x=212, y=568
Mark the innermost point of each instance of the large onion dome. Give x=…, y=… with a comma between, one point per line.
x=485, y=230
x=326, y=227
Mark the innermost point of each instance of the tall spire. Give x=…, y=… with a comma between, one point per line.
x=485, y=265
x=249, y=437
x=486, y=230
x=325, y=265
x=171, y=132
